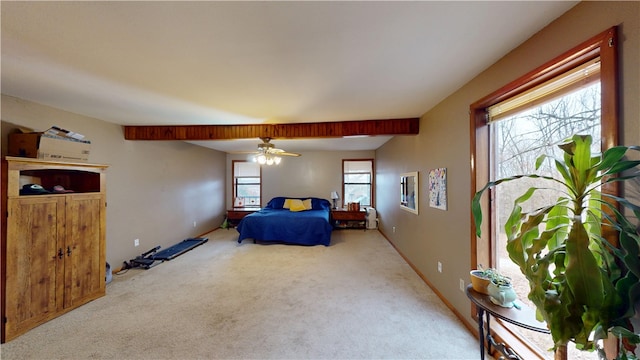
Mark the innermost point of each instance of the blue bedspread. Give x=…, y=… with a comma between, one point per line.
x=276, y=224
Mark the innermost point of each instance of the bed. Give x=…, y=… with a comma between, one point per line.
x=302, y=221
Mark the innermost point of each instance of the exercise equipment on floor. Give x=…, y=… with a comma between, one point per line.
x=154, y=257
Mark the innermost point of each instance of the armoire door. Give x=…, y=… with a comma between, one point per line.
x=84, y=265
x=34, y=260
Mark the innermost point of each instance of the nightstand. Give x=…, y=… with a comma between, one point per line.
x=236, y=214
x=342, y=219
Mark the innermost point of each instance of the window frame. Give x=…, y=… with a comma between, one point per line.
x=371, y=185
x=604, y=46
x=234, y=189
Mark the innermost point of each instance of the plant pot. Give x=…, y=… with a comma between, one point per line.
x=502, y=295
x=479, y=282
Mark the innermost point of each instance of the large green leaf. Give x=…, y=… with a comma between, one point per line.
x=612, y=162
x=612, y=156
x=563, y=170
x=581, y=284
x=583, y=273
x=557, y=224
x=629, y=255
x=625, y=203
x=622, y=166
x=582, y=152
x=476, y=208
x=629, y=289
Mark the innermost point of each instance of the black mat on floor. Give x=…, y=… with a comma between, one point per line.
x=178, y=249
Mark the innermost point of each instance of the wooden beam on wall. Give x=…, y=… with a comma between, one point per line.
x=408, y=126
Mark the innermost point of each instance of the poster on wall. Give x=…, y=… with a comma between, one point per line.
x=438, y=188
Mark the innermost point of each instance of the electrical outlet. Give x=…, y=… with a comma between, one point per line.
x=194, y=223
x=394, y=229
x=461, y=285
x=439, y=267
x=136, y=242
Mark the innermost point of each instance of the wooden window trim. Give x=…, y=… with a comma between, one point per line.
x=603, y=45
x=233, y=182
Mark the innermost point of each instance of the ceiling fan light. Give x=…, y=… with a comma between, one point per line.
x=267, y=154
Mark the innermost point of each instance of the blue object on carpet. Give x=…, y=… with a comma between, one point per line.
x=178, y=249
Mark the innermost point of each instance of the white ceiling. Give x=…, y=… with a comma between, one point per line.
x=203, y=62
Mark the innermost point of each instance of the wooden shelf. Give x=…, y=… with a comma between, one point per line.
x=79, y=177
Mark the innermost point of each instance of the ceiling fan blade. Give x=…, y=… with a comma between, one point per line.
x=284, y=153
x=266, y=147
x=244, y=152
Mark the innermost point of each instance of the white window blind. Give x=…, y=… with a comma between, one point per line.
x=357, y=167
x=246, y=169
x=576, y=78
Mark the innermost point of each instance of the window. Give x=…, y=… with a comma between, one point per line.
x=247, y=180
x=574, y=93
x=357, y=181
x=517, y=140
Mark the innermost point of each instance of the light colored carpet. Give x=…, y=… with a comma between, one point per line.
x=356, y=299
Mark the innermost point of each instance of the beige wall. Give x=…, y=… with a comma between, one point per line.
x=315, y=173
x=436, y=235
x=155, y=190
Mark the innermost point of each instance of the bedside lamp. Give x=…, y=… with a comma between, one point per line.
x=334, y=197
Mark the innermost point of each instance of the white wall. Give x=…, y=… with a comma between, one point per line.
x=315, y=173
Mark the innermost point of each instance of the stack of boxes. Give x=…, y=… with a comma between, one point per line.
x=55, y=144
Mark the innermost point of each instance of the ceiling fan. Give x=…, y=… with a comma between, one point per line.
x=268, y=154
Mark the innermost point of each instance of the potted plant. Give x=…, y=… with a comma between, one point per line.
x=481, y=278
x=501, y=291
x=584, y=286
x=491, y=282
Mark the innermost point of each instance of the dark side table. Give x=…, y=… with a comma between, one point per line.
x=236, y=214
x=524, y=317
x=343, y=218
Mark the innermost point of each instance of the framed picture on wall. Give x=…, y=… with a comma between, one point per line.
x=438, y=188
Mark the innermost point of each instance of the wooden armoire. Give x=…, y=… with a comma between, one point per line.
x=53, y=244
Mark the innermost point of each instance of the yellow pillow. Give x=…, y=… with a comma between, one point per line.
x=297, y=205
x=307, y=204
x=287, y=203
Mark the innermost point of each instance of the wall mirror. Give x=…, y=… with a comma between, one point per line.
x=409, y=192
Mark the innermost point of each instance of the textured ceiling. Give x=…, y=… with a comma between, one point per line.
x=158, y=63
